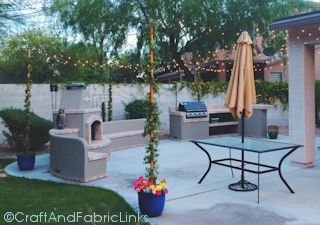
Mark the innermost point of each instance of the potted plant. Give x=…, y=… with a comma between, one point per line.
x=151, y=192
x=151, y=196
x=273, y=131
x=26, y=160
x=14, y=122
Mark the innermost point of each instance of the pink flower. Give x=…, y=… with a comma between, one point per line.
x=156, y=188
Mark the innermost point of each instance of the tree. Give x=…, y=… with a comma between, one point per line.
x=44, y=66
x=8, y=14
x=52, y=60
x=130, y=67
x=197, y=26
x=102, y=23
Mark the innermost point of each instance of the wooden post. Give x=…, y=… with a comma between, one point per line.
x=110, y=94
x=27, y=104
x=151, y=92
x=28, y=66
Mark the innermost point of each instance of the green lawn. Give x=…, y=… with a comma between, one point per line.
x=34, y=196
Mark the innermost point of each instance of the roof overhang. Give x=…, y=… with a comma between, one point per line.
x=296, y=21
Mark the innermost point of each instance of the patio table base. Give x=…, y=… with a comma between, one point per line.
x=243, y=186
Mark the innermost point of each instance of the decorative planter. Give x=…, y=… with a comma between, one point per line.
x=150, y=204
x=26, y=161
x=273, y=131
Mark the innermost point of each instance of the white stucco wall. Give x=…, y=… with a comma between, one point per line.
x=12, y=95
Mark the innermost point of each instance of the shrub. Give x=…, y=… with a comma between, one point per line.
x=13, y=120
x=136, y=109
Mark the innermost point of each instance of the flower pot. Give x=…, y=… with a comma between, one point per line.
x=273, y=131
x=26, y=161
x=150, y=204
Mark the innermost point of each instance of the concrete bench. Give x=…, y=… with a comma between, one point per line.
x=70, y=158
x=125, y=133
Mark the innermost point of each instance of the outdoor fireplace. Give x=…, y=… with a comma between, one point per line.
x=76, y=100
x=96, y=130
x=93, y=129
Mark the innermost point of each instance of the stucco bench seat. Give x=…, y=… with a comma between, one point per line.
x=99, y=144
x=70, y=159
x=72, y=132
x=124, y=133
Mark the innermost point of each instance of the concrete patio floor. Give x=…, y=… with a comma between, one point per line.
x=209, y=203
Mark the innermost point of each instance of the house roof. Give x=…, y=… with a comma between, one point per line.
x=296, y=21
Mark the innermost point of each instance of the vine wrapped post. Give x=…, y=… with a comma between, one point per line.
x=110, y=94
x=151, y=98
x=152, y=124
x=27, y=104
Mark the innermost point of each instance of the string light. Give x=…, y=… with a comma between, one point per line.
x=210, y=57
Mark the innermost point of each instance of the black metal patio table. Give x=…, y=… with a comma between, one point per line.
x=253, y=145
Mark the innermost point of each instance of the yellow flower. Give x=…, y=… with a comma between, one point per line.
x=151, y=187
x=158, y=188
x=163, y=185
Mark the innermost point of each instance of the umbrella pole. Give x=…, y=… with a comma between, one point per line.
x=242, y=185
x=242, y=152
x=242, y=126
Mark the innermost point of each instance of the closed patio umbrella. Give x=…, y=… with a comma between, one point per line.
x=241, y=92
x=241, y=95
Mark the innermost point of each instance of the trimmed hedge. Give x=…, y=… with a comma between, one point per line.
x=13, y=120
x=136, y=109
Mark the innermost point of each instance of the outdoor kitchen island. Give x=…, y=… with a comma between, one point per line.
x=217, y=121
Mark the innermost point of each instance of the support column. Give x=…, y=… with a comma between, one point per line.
x=317, y=62
x=302, y=100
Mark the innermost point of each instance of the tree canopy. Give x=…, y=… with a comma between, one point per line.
x=8, y=14
x=100, y=28
x=102, y=23
x=199, y=26
x=52, y=59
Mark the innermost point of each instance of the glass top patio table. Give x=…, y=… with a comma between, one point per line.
x=250, y=144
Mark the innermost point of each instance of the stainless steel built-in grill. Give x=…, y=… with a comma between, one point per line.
x=193, y=109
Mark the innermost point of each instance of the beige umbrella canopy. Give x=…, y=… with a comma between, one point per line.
x=241, y=92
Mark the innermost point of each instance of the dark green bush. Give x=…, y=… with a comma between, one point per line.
x=13, y=120
x=136, y=109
